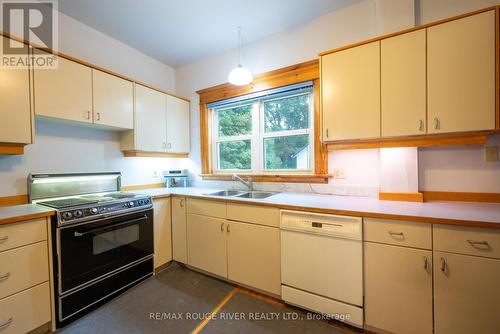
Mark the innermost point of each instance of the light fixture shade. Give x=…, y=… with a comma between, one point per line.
x=240, y=76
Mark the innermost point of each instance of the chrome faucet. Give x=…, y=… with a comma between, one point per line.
x=248, y=183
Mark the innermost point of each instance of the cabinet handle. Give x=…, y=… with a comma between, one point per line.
x=443, y=265
x=222, y=227
x=164, y=145
x=479, y=244
x=98, y=116
x=87, y=114
x=169, y=146
x=182, y=203
x=228, y=228
x=327, y=135
x=437, y=123
x=399, y=234
x=426, y=263
x=4, y=277
x=6, y=324
x=4, y=239
x=420, y=125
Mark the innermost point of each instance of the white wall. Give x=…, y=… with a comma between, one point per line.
x=67, y=148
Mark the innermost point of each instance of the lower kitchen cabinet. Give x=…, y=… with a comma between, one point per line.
x=179, y=237
x=253, y=255
x=466, y=294
x=206, y=244
x=162, y=232
x=398, y=289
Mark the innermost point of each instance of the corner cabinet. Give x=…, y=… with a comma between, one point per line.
x=350, y=93
x=15, y=107
x=437, y=79
x=161, y=125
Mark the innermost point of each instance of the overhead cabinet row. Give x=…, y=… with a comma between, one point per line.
x=440, y=79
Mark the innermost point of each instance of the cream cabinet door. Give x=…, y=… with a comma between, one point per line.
x=177, y=125
x=466, y=294
x=162, y=232
x=15, y=108
x=350, y=93
x=253, y=254
x=206, y=244
x=179, y=237
x=403, y=84
x=65, y=92
x=461, y=74
x=398, y=289
x=150, y=119
x=113, y=100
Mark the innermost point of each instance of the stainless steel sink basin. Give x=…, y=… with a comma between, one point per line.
x=226, y=193
x=257, y=194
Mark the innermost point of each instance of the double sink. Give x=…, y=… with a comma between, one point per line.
x=243, y=194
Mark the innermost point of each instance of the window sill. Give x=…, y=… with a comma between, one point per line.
x=287, y=178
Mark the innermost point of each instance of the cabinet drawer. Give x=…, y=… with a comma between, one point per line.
x=25, y=311
x=467, y=240
x=23, y=267
x=22, y=233
x=398, y=232
x=254, y=214
x=206, y=208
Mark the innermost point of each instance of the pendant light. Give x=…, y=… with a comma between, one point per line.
x=240, y=75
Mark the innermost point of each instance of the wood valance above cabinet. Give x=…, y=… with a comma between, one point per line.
x=432, y=85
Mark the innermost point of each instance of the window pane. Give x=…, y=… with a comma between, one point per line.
x=235, y=121
x=289, y=113
x=235, y=155
x=289, y=152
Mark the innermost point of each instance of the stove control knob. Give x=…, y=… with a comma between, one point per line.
x=147, y=201
x=142, y=202
x=94, y=211
x=67, y=215
x=130, y=204
x=78, y=213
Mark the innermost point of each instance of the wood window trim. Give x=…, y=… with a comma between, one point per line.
x=273, y=79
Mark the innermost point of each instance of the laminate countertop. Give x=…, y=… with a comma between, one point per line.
x=456, y=213
x=17, y=213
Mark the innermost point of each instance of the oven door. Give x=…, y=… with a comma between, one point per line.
x=89, y=251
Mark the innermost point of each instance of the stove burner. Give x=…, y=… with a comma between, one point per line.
x=68, y=202
x=120, y=195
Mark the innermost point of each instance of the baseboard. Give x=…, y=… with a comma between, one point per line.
x=461, y=196
x=403, y=196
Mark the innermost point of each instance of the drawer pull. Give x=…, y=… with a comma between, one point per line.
x=479, y=244
x=228, y=228
x=397, y=234
x=222, y=227
x=182, y=203
x=4, y=277
x=6, y=324
x=4, y=239
x=443, y=265
x=426, y=263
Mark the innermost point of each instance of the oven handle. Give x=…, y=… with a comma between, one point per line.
x=110, y=226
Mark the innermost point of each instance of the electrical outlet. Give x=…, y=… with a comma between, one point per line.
x=490, y=153
x=339, y=173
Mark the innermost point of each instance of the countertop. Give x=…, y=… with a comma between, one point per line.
x=456, y=213
x=16, y=213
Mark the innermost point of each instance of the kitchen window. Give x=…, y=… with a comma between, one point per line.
x=266, y=132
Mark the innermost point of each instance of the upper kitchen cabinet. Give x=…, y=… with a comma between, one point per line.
x=461, y=74
x=15, y=109
x=65, y=92
x=113, y=100
x=350, y=92
x=177, y=125
x=403, y=84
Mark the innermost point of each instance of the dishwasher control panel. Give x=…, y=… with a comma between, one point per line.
x=330, y=225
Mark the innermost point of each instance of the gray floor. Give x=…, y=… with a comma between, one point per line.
x=185, y=296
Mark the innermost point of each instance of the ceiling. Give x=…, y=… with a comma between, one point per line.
x=178, y=32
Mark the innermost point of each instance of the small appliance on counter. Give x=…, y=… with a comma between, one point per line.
x=176, y=178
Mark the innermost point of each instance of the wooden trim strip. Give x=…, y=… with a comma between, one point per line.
x=474, y=138
x=497, y=66
x=461, y=196
x=145, y=154
x=281, y=77
x=205, y=140
x=26, y=217
x=143, y=186
x=404, y=196
x=271, y=178
x=11, y=149
x=14, y=200
x=86, y=63
x=424, y=26
x=320, y=149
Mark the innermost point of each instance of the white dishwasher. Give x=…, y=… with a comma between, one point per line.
x=322, y=264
